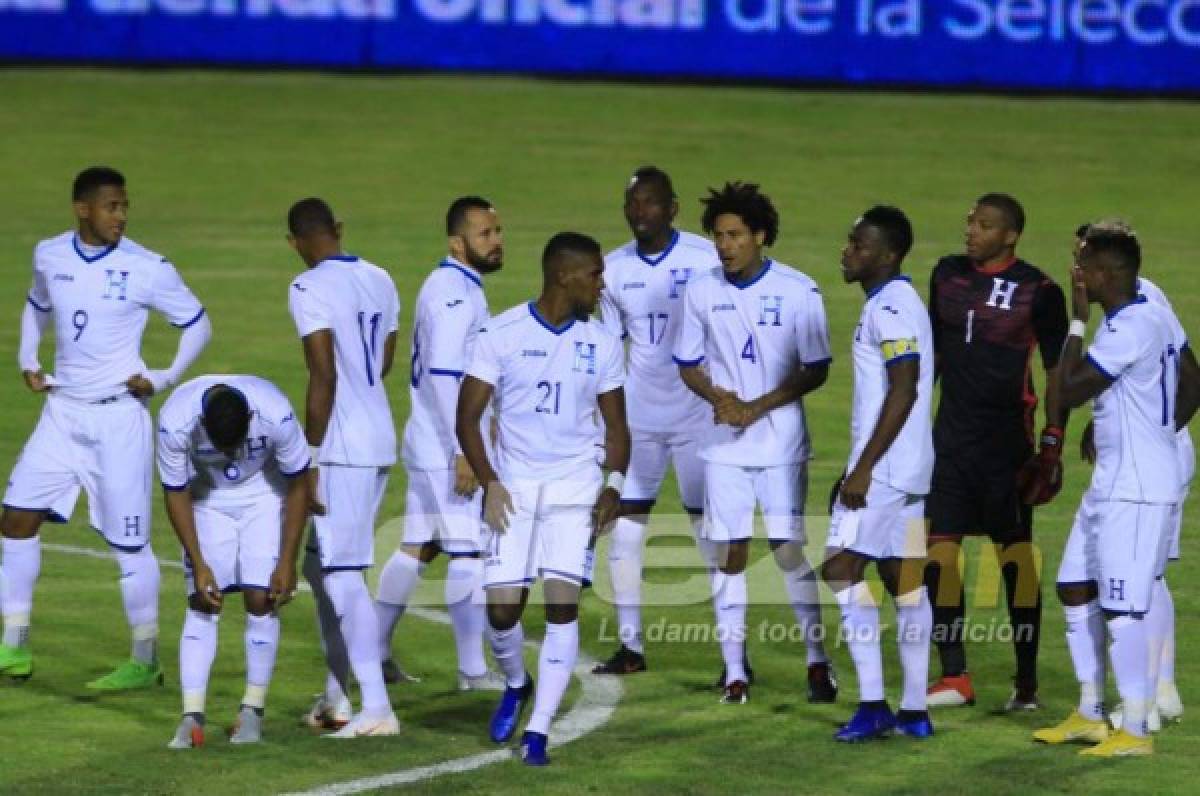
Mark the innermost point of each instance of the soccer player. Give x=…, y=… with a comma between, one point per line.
x=879, y=514
x=1142, y=393
x=443, y=505
x=232, y=457
x=544, y=499
x=753, y=342
x=990, y=310
x=96, y=286
x=346, y=312
x=642, y=301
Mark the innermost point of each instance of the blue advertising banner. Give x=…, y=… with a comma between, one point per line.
x=1076, y=45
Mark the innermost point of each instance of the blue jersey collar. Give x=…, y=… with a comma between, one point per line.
x=86, y=257
x=1108, y=316
x=662, y=255
x=466, y=270
x=743, y=285
x=897, y=278
x=537, y=316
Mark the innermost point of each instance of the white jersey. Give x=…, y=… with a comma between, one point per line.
x=357, y=301
x=643, y=301
x=752, y=336
x=1136, y=458
x=100, y=303
x=275, y=447
x=1183, y=438
x=546, y=382
x=894, y=326
x=451, y=308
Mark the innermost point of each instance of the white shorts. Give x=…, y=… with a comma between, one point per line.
x=891, y=526
x=104, y=449
x=351, y=496
x=1122, y=547
x=240, y=544
x=549, y=533
x=1177, y=526
x=648, y=466
x=731, y=493
x=434, y=512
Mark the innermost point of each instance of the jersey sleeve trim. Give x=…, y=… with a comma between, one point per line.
x=1100, y=368
x=818, y=362
x=194, y=319
x=35, y=305
x=458, y=374
x=173, y=487
x=902, y=357
x=687, y=363
x=294, y=473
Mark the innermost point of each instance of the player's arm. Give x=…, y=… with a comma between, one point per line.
x=800, y=382
x=1040, y=478
x=617, y=447
x=318, y=399
x=473, y=398
x=295, y=517
x=173, y=299
x=389, y=354
x=688, y=354
x=444, y=365
x=34, y=321
x=903, y=371
x=180, y=512
x=935, y=324
x=1187, y=394
x=1080, y=378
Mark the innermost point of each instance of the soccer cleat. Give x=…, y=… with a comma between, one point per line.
x=822, y=683
x=392, y=673
x=1122, y=744
x=362, y=726
x=623, y=661
x=533, y=749
x=869, y=722
x=1018, y=701
x=16, y=662
x=248, y=727
x=736, y=693
x=189, y=734
x=1170, y=706
x=325, y=716
x=720, y=683
x=1074, y=729
x=914, y=724
x=128, y=676
x=1153, y=718
x=488, y=681
x=951, y=691
x=504, y=720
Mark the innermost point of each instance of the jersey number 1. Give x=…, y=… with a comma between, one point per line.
x=369, y=346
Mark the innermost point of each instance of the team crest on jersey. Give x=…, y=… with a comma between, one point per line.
x=585, y=358
x=1002, y=293
x=679, y=278
x=115, y=287
x=770, y=310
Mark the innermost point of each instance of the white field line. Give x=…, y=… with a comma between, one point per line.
x=591, y=710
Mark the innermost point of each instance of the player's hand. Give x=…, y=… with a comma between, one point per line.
x=206, y=585
x=139, y=386
x=315, y=506
x=727, y=409
x=605, y=512
x=497, y=506
x=282, y=586
x=1040, y=479
x=35, y=380
x=835, y=491
x=1087, y=444
x=465, y=482
x=1080, y=307
x=854, y=488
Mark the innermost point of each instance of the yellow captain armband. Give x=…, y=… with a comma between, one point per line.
x=894, y=350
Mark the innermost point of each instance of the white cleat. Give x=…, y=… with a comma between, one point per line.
x=188, y=735
x=362, y=726
x=488, y=681
x=1153, y=718
x=325, y=716
x=1170, y=706
x=248, y=727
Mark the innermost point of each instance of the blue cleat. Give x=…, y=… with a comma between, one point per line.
x=868, y=723
x=533, y=749
x=914, y=724
x=504, y=721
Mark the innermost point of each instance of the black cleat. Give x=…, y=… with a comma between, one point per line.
x=822, y=683
x=720, y=683
x=623, y=661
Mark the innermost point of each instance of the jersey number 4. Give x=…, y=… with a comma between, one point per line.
x=748, y=350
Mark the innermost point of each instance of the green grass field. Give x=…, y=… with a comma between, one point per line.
x=214, y=160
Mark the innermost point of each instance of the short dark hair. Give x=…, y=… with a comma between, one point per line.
x=653, y=174
x=311, y=216
x=456, y=216
x=569, y=243
x=744, y=200
x=225, y=415
x=1120, y=250
x=90, y=180
x=1014, y=214
x=1081, y=231
x=895, y=226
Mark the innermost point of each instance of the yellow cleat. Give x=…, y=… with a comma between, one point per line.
x=1074, y=729
x=1122, y=744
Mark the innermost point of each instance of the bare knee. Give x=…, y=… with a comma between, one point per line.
x=21, y=524
x=257, y=602
x=732, y=557
x=843, y=569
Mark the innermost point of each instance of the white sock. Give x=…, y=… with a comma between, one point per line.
x=139, y=592
x=262, y=643
x=197, y=648
x=20, y=563
x=397, y=580
x=1131, y=662
x=360, y=631
x=555, y=664
x=468, y=613
x=329, y=630
x=914, y=624
x=506, y=648
x=1160, y=625
x=860, y=626
x=1085, y=641
x=625, y=566
x=804, y=595
x=729, y=597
